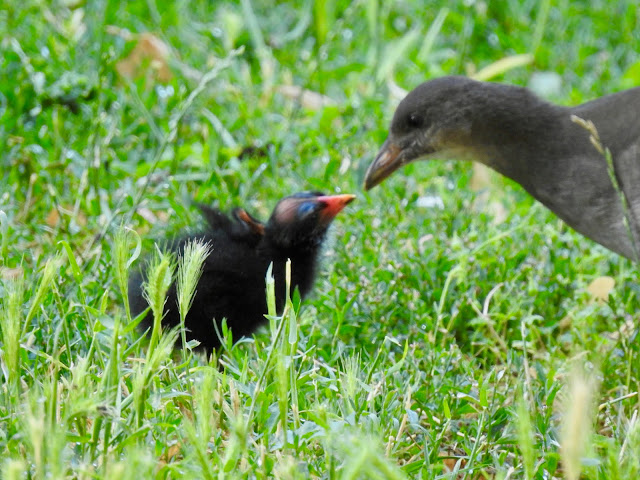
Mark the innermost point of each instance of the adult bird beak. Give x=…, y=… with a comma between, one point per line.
x=386, y=162
x=334, y=204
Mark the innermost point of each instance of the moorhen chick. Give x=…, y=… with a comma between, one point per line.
x=232, y=284
x=533, y=142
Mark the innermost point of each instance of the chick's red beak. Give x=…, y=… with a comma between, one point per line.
x=334, y=204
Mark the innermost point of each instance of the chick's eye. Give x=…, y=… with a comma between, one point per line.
x=415, y=120
x=305, y=209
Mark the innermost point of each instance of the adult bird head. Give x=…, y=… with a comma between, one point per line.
x=435, y=117
x=533, y=142
x=301, y=220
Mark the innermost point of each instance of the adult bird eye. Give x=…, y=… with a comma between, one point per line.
x=415, y=120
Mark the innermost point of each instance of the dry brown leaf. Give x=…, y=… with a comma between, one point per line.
x=600, y=288
x=449, y=460
x=11, y=273
x=501, y=66
x=81, y=219
x=149, y=55
x=424, y=242
x=307, y=98
x=396, y=91
x=147, y=214
x=565, y=323
x=481, y=177
x=163, y=215
x=481, y=183
x=498, y=211
x=120, y=32
x=625, y=330
x=171, y=453
x=53, y=218
x=449, y=463
x=14, y=140
x=186, y=411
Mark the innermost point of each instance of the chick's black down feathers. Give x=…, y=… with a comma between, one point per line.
x=232, y=284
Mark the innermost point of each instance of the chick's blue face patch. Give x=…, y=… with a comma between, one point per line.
x=305, y=209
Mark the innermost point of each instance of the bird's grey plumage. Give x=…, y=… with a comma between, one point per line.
x=533, y=142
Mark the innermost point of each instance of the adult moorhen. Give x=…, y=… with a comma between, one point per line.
x=232, y=284
x=535, y=143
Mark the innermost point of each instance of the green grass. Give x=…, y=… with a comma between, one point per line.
x=438, y=343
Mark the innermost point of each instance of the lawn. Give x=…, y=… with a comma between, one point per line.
x=457, y=329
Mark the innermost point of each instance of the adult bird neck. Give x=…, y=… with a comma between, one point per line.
x=521, y=136
x=539, y=146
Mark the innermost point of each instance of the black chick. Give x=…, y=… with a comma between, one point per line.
x=232, y=284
